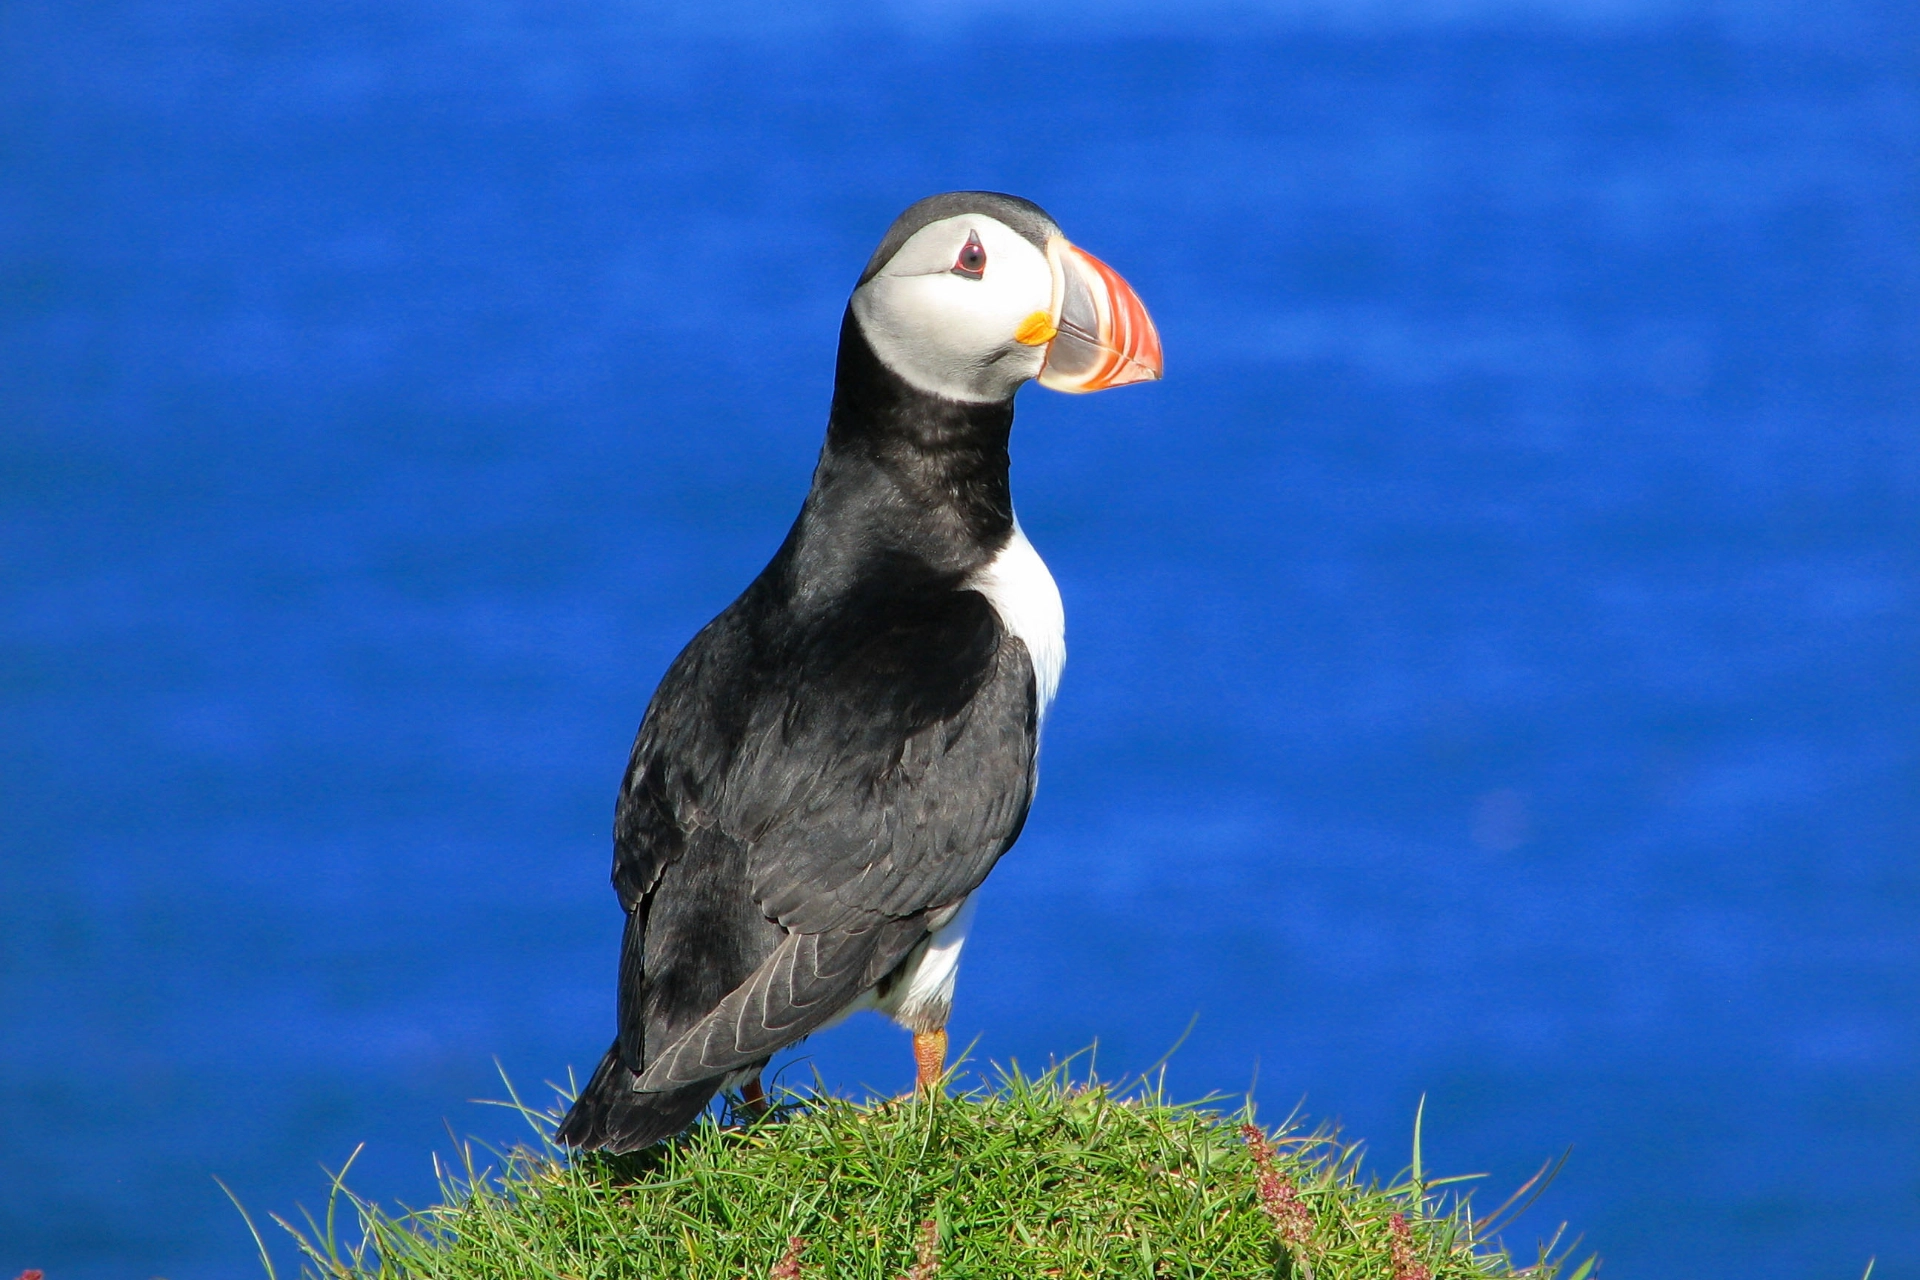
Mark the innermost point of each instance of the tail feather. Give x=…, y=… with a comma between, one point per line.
x=612, y=1114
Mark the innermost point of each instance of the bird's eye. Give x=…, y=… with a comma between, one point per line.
x=972, y=262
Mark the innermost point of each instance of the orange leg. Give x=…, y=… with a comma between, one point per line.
x=753, y=1099
x=929, y=1057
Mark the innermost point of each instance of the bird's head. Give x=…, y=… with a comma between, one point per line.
x=973, y=293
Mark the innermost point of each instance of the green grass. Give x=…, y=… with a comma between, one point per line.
x=1033, y=1177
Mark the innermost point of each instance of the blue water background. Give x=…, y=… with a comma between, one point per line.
x=1495, y=648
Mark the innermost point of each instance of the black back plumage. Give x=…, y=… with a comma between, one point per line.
x=830, y=765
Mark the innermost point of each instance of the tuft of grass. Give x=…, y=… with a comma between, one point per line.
x=1029, y=1177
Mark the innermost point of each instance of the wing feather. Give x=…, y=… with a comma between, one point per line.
x=871, y=767
x=895, y=800
x=808, y=981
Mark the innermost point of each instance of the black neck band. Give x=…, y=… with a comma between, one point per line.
x=945, y=453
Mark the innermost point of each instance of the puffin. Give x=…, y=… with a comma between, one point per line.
x=833, y=765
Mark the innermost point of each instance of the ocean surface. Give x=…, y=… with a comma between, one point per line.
x=1494, y=648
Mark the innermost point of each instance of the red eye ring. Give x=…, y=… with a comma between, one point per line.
x=972, y=262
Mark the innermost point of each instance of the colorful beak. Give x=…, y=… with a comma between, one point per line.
x=1104, y=337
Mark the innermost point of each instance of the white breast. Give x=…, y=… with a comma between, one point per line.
x=1016, y=583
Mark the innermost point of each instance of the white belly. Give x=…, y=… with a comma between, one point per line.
x=921, y=992
x=1016, y=583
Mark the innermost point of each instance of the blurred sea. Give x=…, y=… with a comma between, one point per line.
x=1495, y=648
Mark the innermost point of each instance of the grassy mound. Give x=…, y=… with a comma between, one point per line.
x=1033, y=1178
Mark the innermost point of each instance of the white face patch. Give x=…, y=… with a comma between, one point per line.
x=946, y=332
